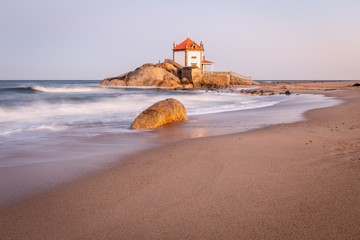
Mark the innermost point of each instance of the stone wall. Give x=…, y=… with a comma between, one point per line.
x=194, y=75
x=216, y=81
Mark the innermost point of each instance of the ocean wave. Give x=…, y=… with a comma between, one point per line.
x=232, y=107
x=34, y=89
x=68, y=89
x=18, y=90
x=32, y=129
x=127, y=106
x=131, y=87
x=119, y=109
x=244, y=88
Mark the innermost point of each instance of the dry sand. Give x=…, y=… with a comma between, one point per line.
x=290, y=181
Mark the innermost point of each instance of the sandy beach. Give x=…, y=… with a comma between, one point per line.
x=288, y=181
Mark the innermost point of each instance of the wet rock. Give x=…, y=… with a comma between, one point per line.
x=288, y=92
x=186, y=83
x=160, y=113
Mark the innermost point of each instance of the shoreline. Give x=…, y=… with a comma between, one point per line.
x=216, y=187
x=36, y=173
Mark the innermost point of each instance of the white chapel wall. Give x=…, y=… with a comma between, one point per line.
x=179, y=57
x=194, y=57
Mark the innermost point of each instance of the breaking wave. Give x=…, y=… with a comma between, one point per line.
x=35, y=89
x=18, y=90
x=115, y=109
x=69, y=89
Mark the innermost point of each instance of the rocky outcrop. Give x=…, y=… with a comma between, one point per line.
x=160, y=113
x=170, y=75
x=147, y=75
x=168, y=67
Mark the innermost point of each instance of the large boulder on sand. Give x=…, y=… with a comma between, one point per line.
x=160, y=113
x=146, y=75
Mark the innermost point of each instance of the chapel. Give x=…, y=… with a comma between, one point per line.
x=190, y=54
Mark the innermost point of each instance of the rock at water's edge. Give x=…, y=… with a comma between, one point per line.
x=147, y=75
x=160, y=113
x=168, y=75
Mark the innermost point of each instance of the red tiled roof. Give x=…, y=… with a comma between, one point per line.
x=206, y=61
x=188, y=43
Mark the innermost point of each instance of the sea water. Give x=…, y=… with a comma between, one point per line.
x=43, y=113
x=87, y=125
x=33, y=108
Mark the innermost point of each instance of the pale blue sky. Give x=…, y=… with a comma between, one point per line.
x=88, y=39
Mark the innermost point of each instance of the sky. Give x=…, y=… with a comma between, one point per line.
x=93, y=39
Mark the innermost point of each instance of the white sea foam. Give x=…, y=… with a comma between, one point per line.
x=244, y=88
x=70, y=89
x=32, y=129
x=120, y=109
x=76, y=89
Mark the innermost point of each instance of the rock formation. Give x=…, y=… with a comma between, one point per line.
x=170, y=75
x=146, y=75
x=160, y=113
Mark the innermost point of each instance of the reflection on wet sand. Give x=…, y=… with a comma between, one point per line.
x=181, y=130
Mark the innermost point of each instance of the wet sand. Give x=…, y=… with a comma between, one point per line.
x=289, y=181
